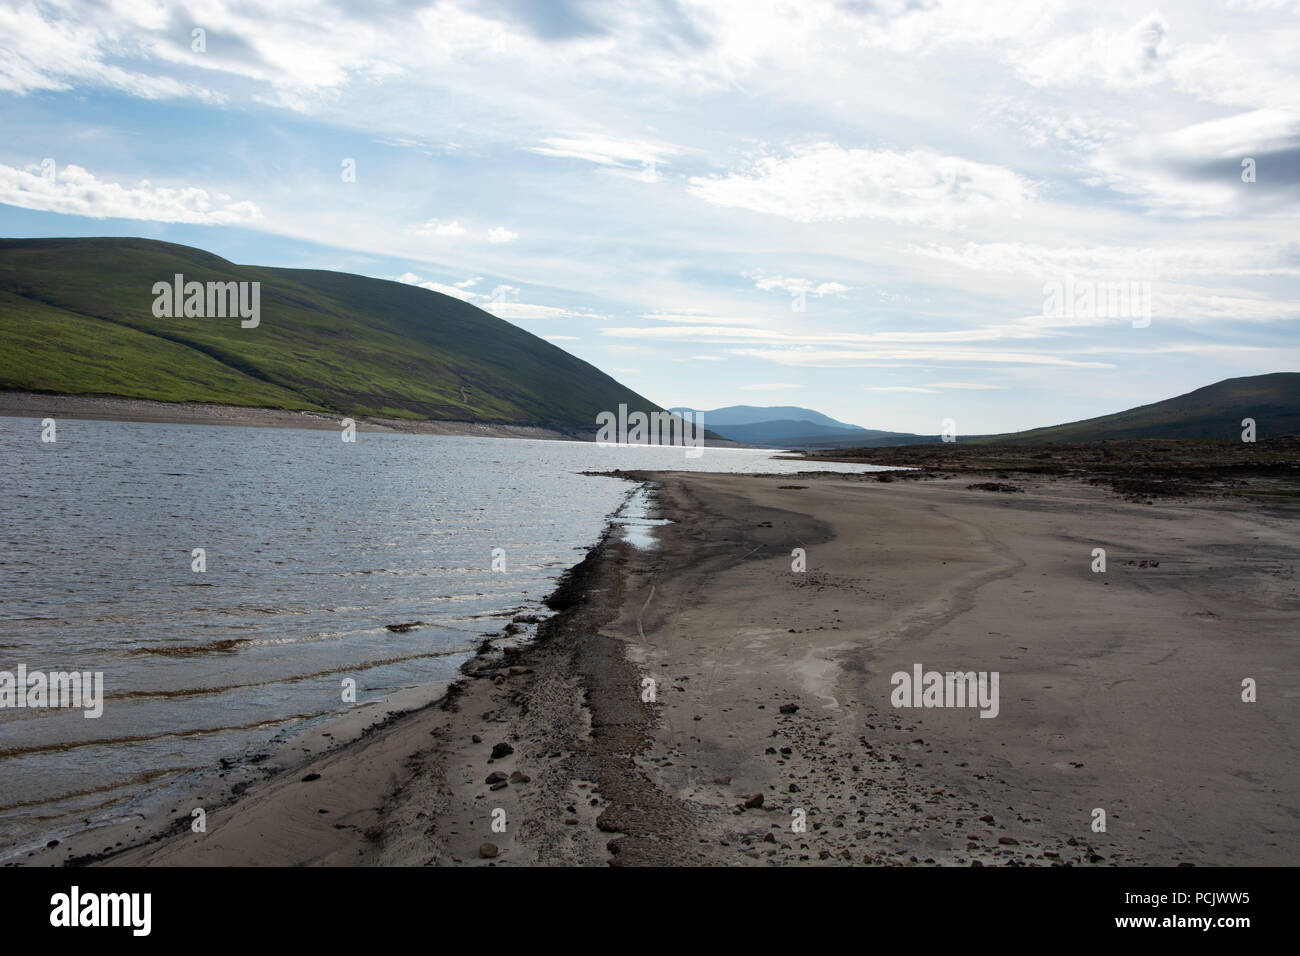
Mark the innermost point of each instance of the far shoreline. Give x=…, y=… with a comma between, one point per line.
x=111, y=408
x=15, y=404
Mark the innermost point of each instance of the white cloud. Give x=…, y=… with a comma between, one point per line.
x=692, y=317
x=438, y=229
x=526, y=310
x=1135, y=56
x=455, y=291
x=826, y=183
x=898, y=388
x=1021, y=330
x=975, y=386
x=774, y=387
x=74, y=191
x=435, y=227
x=606, y=150
x=49, y=49
x=796, y=285
x=859, y=358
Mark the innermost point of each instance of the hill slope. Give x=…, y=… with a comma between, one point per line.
x=1213, y=412
x=76, y=317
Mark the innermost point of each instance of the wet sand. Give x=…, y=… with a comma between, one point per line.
x=1118, y=690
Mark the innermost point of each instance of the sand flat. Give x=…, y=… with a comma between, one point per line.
x=1118, y=690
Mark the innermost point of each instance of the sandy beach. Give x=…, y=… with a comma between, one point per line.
x=1119, y=691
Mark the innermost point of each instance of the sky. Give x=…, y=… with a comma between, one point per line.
x=898, y=212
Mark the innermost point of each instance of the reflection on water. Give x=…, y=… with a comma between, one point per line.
x=633, y=520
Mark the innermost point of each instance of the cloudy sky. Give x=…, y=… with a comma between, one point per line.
x=874, y=209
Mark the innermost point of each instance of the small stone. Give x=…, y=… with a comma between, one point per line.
x=754, y=802
x=987, y=818
x=488, y=851
x=499, y=785
x=1008, y=841
x=476, y=739
x=310, y=777
x=501, y=750
x=769, y=837
x=789, y=708
x=520, y=777
x=496, y=776
x=722, y=781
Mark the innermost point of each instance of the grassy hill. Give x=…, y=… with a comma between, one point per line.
x=76, y=317
x=1212, y=412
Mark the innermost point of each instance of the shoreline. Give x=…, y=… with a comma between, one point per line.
x=1119, y=691
x=114, y=409
x=109, y=408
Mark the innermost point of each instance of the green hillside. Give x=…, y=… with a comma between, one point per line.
x=1213, y=412
x=76, y=317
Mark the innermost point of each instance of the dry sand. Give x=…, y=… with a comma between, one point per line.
x=1119, y=690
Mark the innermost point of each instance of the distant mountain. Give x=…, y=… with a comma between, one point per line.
x=785, y=426
x=756, y=414
x=77, y=317
x=1213, y=412
x=799, y=434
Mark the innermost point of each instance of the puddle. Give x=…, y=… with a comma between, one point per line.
x=635, y=527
